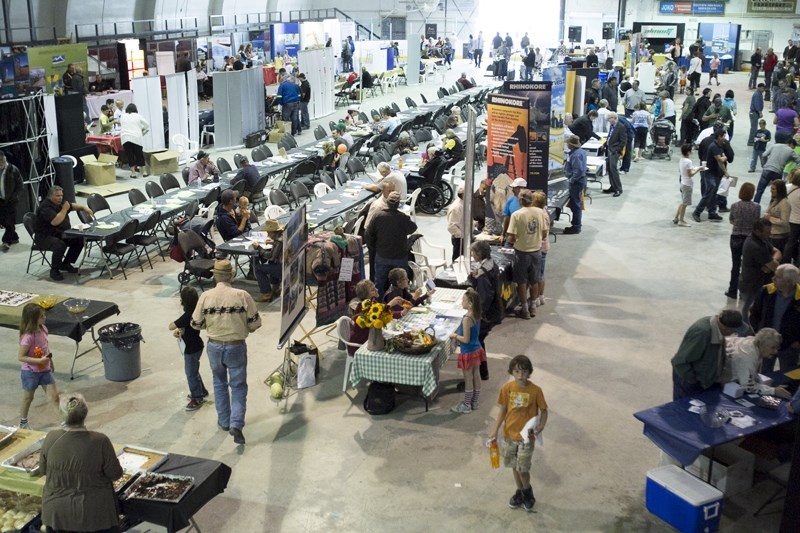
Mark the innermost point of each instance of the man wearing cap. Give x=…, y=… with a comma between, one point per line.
x=453, y=147
x=700, y=358
x=512, y=204
x=228, y=315
x=575, y=170
x=270, y=272
x=455, y=224
x=617, y=141
x=526, y=231
x=11, y=189
x=203, y=169
x=387, y=235
x=248, y=173
x=387, y=175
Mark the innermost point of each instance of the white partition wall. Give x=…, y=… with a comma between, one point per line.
x=238, y=106
x=147, y=97
x=319, y=66
x=51, y=122
x=412, y=63
x=182, y=106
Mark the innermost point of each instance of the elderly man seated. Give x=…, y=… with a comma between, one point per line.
x=464, y=82
x=387, y=174
x=743, y=361
x=52, y=220
x=203, y=169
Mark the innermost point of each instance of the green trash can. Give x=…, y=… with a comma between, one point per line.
x=120, y=344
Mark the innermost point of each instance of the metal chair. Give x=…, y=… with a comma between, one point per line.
x=377, y=158
x=279, y=198
x=195, y=265
x=410, y=103
x=96, y=203
x=239, y=187
x=136, y=197
x=211, y=197
x=376, y=116
x=341, y=176
x=274, y=212
x=424, y=100
x=257, y=197
x=395, y=107
x=116, y=246
x=343, y=327
x=169, y=181
x=319, y=133
x=146, y=236
x=257, y=154
x=265, y=150
x=299, y=192
x=29, y=221
x=223, y=165
x=354, y=166
x=290, y=138
x=328, y=180
x=153, y=189
x=237, y=160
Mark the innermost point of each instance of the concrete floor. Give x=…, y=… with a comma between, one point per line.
x=619, y=297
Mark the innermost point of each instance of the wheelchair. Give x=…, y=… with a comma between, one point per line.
x=435, y=193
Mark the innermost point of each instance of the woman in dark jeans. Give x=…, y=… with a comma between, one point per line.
x=793, y=244
x=743, y=214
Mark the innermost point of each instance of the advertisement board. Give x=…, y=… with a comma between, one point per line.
x=48, y=63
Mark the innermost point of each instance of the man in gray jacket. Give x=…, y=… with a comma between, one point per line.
x=773, y=161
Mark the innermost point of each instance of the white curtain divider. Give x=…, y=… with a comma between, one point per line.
x=147, y=97
x=194, y=110
x=176, y=106
x=412, y=63
x=238, y=106
x=319, y=66
x=51, y=124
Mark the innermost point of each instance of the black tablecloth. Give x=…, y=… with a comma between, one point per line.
x=62, y=322
x=210, y=478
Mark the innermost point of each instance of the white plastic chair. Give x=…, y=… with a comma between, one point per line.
x=343, y=327
x=273, y=212
x=420, y=274
x=210, y=211
x=185, y=146
x=321, y=189
x=359, y=223
x=432, y=262
x=456, y=176
x=413, y=203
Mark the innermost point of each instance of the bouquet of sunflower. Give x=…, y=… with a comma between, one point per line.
x=373, y=315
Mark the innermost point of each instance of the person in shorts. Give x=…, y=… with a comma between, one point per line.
x=519, y=402
x=526, y=232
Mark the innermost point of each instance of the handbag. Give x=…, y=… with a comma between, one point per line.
x=725, y=185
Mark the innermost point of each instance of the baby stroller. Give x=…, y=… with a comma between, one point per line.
x=661, y=134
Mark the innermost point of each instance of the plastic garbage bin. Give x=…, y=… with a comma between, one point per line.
x=120, y=344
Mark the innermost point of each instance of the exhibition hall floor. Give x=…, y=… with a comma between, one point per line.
x=619, y=297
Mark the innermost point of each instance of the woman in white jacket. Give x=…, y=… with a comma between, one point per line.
x=743, y=359
x=133, y=128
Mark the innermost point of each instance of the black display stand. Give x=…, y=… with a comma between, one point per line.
x=71, y=127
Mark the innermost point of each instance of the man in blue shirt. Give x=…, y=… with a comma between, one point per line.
x=249, y=174
x=512, y=204
x=575, y=169
x=756, y=111
x=289, y=93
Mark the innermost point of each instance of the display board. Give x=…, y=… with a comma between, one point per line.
x=507, y=136
x=319, y=66
x=47, y=64
x=540, y=129
x=285, y=36
x=293, y=284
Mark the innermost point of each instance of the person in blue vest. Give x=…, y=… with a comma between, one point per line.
x=626, y=159
x=289, y=93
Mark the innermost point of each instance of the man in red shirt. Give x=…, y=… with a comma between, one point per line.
x=769, y=65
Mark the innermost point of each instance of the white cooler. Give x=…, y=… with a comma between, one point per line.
x=683, y=501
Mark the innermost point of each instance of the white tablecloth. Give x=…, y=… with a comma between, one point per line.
x=94, y=101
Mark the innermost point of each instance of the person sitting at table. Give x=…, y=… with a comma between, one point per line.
x=429, y=168
x=465, y=83
x=230, y=222
x=201, y=78
x=79, y=467
x=453, y=147
x=269, y=272
x=249, y=173
x=340, y=133
x=696, y=365
x=404, y=145
x=454, y=120
x=352, y=120
x=366, y=79
x=338, y=155
x=106, y=120
x=398, y=287
x=583, y=126
x=52, y=220
x=743, y=362
x=203, y=169
x=387, y=174
x=391, y=124
x=365, y=290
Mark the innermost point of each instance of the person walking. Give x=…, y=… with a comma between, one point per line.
x=228, y=315
x=755, y=68
x=192, y=348
x=756, y=112
x=575, y=170
x=289, y=93
x=37, y=361
x=694, y=72
x=11, y=190
x=687, y=172
x=477, y=49
x=717, y=168
x=775, y=158
x=769, y=64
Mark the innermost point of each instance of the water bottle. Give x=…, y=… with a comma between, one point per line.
x=494, y=454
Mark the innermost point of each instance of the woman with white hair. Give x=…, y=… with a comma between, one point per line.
x=80, y=467
x=454, y=120
x=743, y=360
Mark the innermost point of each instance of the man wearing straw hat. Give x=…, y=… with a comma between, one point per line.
x=575, y=169
x=228, y=315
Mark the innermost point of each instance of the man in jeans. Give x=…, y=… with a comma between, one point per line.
x=756, y=111
x=228, y=315
x=717, y=167
x=774, y=159
x=289, y=93
x=387, y=235
x=575, y=169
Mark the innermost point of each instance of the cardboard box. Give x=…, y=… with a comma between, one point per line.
x=100, y=170
x=682, y=500
x=160, y=161
x=732, y=472
x=275, y=136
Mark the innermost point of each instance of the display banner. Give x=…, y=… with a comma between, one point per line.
x=430, y=31
x=507, y=136
x=293, y=284
x=49, y=63
x=659, y=32
x=772, y=6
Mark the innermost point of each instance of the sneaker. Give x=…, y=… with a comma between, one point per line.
x=194, y=405
x=724, y=210
x=238, y=437
x=714, y=217
x=571, y=230
x=524, y=313
x=516, y=500
x=528, y=500
x=751, y=170
x=461, y=408
x=675, y=220
x=540, y=301
x=695, y=217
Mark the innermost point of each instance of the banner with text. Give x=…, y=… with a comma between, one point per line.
x=772, y=6
x=507, y=136
x=540, y=133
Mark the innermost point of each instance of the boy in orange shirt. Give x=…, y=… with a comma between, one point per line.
x=519, y=401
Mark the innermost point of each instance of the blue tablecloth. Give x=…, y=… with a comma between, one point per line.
x=683, y=435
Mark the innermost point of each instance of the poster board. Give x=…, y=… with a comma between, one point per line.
x=540, y=129
x=165, y=63
x=319, y=67
x=507, y=136
x=293, y=284
x=557, y=76
x=48, y=63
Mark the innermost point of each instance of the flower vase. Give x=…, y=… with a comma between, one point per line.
x=375, y=341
